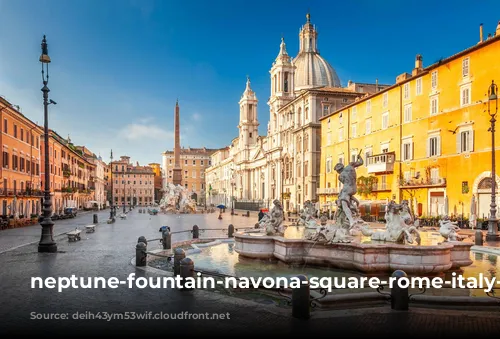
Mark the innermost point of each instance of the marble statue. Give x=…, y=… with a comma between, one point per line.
x=449, y=230
x=347, y=213
x=176, y=199
x=346, y=201
x=272, y=221
x=307, y=214
x=399, y=226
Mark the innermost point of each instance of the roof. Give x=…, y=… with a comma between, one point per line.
x=425, y=70
x=191, y=151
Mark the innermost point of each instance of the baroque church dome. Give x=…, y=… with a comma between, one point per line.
x=312, y=70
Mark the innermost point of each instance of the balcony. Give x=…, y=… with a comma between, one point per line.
x=379, y=187
x=423, y=183
x=66, y=174
x=328, y=191
x=21, y=193
x=381, y=163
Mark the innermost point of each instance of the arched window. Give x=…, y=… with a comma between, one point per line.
x=299, y=144
x=299, y=116
x=306, y=142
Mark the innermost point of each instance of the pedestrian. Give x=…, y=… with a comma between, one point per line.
x=261, y=214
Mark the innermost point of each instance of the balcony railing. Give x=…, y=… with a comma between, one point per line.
x=329, y=190
x=21, y=193
x=384, y=186
x=381, y=163
x=416, y=183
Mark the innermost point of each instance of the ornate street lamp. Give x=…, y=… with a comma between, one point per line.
x=493, y=222
x=112, y=211
x=47, y=243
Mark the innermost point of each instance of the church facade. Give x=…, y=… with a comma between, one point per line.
x=285, y=163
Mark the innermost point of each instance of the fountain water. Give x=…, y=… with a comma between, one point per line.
x=177, y=199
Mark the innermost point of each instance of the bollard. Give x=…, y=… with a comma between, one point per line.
x=95, y=219
x=479, y=238
x=179, y=254
x=140, y=254
x=196, y=232
x=248, y=213
x=301, y=299
x=166, y=239
x=230, y=231
x=187, y=271
x=142, y=239
x=399, y=295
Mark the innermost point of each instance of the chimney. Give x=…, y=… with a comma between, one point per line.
x=481, y=33
x=497, y=32
x=489, y=36
x=419, y=65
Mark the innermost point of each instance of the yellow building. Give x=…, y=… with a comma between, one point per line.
x=425, y=139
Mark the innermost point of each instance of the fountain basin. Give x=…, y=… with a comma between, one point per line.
x=367, y=258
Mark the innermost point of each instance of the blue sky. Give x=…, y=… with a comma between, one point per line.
x=119, y=65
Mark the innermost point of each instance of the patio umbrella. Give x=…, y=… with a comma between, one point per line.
x=446, y=206
x=473, y=212
x=221, y=206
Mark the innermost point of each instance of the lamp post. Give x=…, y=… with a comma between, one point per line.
x=124, y=192
x=493, y=222
x=111, y=212
x=47, y=243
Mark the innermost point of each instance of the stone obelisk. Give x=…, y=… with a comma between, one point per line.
x=177, y=170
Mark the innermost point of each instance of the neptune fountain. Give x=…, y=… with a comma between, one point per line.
x=349, y=242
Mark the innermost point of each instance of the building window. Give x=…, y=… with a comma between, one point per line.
x=419, y=86
x=385, y=99
x=368, y=126
x=250, y=134
x=185, y=162
x=407, y=150
x=341, y=159
x=368, y=107
x=354, y=130
x=170, y=162
x=465, y=67
x=340, y=119
x=5, y=126
x=434, y=105
x=434, y=79
x=407, y=113
x=406, y=91
x=194, y=162
x=329, y=165
x=341, y=134
x=354, y=113
x=465, y=95
x=329, y=138
x=434, y=146
x=368, y=152
x=194, y=174
x=465, y=141
x=326, y=109
x=354, y=154
x=384, y=148
x=22, y=134
x=385, y=120
x=306, y=168
x=15, y=131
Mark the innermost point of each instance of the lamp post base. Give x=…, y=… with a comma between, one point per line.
x=47, y=248
x=492, y=234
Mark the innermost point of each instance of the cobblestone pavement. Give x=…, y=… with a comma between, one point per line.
x=107, y=253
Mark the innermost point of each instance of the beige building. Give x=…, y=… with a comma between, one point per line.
x=132, y=185
x=194, y=161
x=285, y=163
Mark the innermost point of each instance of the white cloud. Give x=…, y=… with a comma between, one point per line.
x=196, y=117
x=142, y=131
